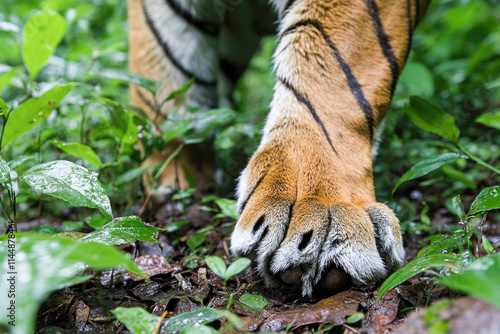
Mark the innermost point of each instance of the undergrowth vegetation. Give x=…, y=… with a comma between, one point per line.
x=69, y=149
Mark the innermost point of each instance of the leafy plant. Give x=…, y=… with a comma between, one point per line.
x=218, y=266
x=66, y=258
x=139, y=321
x=457, y=271
x=253, y=301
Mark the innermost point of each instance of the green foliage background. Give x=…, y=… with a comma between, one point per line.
x=455, y=64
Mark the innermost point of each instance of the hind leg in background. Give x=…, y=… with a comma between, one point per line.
x=307, y=203
x=170, y=42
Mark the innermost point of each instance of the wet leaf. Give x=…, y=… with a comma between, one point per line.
x=79, y=150
x=479, y=279
x=488, y=199
x=136, y=319
x=430, y=117
x=45, y=264
x=445, y=243
x=69, y=182
x=123, y=230
x=253, y=301
x=43, y=32
x=201, y=316
x=4, y=171
x=415, y=267
x=33, y=112
x=426, y=166
x=333, y=310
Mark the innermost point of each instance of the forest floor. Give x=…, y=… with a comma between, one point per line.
x=181, y=282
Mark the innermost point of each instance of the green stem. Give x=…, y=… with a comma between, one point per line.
x=476, y=159
x=169, y=160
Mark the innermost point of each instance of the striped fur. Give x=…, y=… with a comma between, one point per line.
x=306, y=199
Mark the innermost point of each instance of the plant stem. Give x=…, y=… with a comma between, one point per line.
x=170, y=158
x=476, y=159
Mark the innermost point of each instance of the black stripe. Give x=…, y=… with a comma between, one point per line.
x=208, y=28
x=145, y=100
x=169, y=54
x=251, y=193
x=305, y=100
x=353, y=83
x=383, y=40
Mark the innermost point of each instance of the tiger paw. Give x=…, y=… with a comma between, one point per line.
x=310, y=220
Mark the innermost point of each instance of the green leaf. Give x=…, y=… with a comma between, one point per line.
x=181, y=90
x=237, y=266
x=45, y=229
x=43, y=32
x=68, y=226
x=130, y=77
x=79, y=150
x=418, y=79
x=121, y=122
x=174, y=226
x=51, y=263
x=123, y=230
x=136, y=319
x=4, y=108
x=479, y=279
x=253, y=301
x=415, y=267
x=487, y=245
x=32, y=112
x=458, y=208
x=4, y=171
x=445, y=243
x=69, y=182
x=200, y=316
x=459, y=176
x=426, y=166
x=131, y=174
x=196, y=240
x=358, y=316
x=217, y=265
x=431, y=117
x=228, y=208
x=488, y=199
x=492, y=120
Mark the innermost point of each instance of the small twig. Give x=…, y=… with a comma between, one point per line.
x=158, y=325
x=350, y=328
x=144, y=205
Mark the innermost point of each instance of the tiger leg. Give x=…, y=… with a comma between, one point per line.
x=306, y=199
x=170, y=42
